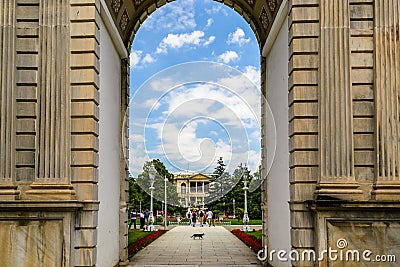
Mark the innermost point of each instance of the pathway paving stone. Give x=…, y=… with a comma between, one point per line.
x=218, y=248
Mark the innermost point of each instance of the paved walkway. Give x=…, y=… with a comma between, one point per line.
x=218, y=248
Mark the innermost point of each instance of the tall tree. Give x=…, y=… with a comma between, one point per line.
x=137, y=196
x=225, y=203
x=220, y=169
x=144, y=181
x=254, y=200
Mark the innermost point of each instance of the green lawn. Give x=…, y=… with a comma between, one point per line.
x=256, y=234
x=134, y=235
x=240, y=222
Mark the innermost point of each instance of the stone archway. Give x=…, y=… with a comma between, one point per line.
x=129, y=16
x=58, y=60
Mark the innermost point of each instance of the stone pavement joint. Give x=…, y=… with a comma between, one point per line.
x=218, y=248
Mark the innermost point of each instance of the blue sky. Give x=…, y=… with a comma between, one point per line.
x=194, y=89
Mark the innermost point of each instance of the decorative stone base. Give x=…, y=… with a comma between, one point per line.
x=9, y=192
x=356, y=226
x=51, y=191
x=386, y=192
x=38, y=233
x=335, y=191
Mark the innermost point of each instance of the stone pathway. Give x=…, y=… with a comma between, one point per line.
x=218, y=248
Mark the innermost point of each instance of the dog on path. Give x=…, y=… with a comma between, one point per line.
x=198, y=235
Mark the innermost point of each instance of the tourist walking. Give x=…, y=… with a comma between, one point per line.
x=146, y=218
x=213, y=219
x=194, y=218
x=142, y=220
x=201, y=217
x=189, y=216
x=133, y=216
x=209, y=217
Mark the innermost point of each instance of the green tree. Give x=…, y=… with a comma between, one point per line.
x=220, y=169
x=222, y=183
x=237, y=193
x=254, y=196
x=158, y=193
x=137, y=196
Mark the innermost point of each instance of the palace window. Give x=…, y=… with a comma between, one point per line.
x=183, y=188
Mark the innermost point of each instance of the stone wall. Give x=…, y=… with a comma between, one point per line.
x=342, y=79
x=49, y=124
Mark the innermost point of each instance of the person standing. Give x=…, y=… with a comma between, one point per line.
x=142, y=220
x=146, y=217
x=194, y=218
x=201, y=217
x=189, y=216
x=209, y=217
x=213, y=218
x=133, y=216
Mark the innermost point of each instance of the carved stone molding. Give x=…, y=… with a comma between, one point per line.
x=335, y=103
x=387, y=86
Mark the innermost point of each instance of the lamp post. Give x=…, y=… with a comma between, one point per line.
x=165, y=202
x=152, y=175
x=246, y=218
x=234, y=208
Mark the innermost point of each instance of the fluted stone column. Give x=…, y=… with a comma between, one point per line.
x=8, y=190
x=53, y=146
x=335, y=103
x=387, y=86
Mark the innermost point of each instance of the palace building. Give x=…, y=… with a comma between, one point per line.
x=192, y=187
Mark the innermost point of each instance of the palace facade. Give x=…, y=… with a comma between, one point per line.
x=192, y=188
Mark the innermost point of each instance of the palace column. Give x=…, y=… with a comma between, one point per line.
x=8, y=191
x=335, y=104
x=387, y=86
x=53, y=147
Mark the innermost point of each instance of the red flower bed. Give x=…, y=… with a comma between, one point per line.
x=143, y=242
x=250, y=241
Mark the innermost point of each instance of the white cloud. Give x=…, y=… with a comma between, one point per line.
x=175, y=41
x=238, y=37
x=148, y=59
x=135, y=57
x=217, y=9
x=228, y=107
x=253, y=74
x=228, y=56
x=210, y=21
x=162, y=85
x=176, y=16
x=210, y=40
